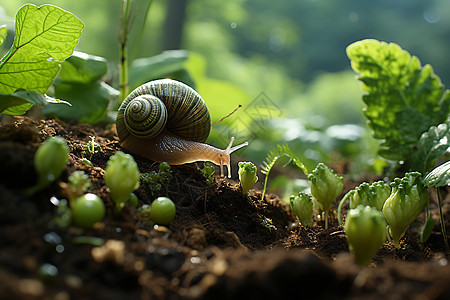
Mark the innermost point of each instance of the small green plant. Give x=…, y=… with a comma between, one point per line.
x=268, y=224
x=87, y=210
x=208, y=172
x=162, y=211
x=271, y=159
x=365, y=228
x=91, y=148
x=121, y=177
x=247, y=176
x=406, y=202
x=302, y=206
x=373, y=195
x=326, y=186
x=154, y=180
x=49, y=161
x=79, y=183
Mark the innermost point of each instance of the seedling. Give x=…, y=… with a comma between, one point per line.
x=121, y=177
x=208, y=172
x=91, y=147
x=302, y=206
x=406, y=202
x=247, y=176
x=162, y=211
x=79, y=183
x=365, y=228
x=87, y=210
x=49, y=161
x=268, y=224
x=154, y=180
x=325, y=187
x=373, y=195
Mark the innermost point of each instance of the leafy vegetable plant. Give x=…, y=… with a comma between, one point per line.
x=406, y=202
x=49, y=161
x=247, y=176
x=326, y=186
x=208, y=172
x=121, y=177
x=365, y=228
x=44, y=37
x=407, y=105
x=302, y=206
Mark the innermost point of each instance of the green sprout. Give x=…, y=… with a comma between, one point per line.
x=87, y=210
x=208, y=172
x=268, y=224
x=325, y=187
x=373, y=195
x=91, y=147
x=247, y=176
x=365, y=228
x=154, y=180
x=302, y=206
x=49, y=161
x=121, y=177
x=406, y=202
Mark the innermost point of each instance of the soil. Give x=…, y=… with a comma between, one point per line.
x=221, y=245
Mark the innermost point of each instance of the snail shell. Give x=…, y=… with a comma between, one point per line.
x=166, y=120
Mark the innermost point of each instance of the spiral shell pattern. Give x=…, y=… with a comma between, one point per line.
x=187, y=116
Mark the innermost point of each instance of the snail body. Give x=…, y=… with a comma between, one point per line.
x=167, y=121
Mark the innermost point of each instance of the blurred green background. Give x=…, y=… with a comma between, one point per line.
x=284, y=61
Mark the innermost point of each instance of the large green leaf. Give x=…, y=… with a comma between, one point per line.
x=44, y=37
x=432, y=144
x=83, y=68
x=21, y=101
x=403, y=98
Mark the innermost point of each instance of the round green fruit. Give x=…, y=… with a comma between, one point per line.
x=87, y=210
x=162, y=211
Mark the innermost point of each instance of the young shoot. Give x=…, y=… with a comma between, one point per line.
x=326, y=186
x=79, y=183
x=302, y=206
x=247, y=176
x=406, y=202
x=91, y=148
x=365, y=228
x=121, y=177
x=208, y=172
x=49, y=161
x=155, y=180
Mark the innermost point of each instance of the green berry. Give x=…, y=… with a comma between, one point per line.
x=162, y=211
x=88, y=210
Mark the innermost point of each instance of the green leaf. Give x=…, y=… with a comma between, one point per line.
x=89, y=101
x=45, y=36
x=432, y=144
x=83, y=68
x=440, y=176
x=21, y=101
x=158, y=66
x=3, y=32
x=403, y=98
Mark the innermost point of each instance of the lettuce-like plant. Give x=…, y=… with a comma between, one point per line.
x=247, y=176
x=365, y=228
x=121, y=177
x=406, y=202
x=326, y=186
x=302, y=206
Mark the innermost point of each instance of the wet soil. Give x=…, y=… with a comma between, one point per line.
x=221, y=245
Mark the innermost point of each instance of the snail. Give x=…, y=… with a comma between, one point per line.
x=167, y=121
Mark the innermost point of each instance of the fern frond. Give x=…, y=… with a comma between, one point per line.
x=273, y=156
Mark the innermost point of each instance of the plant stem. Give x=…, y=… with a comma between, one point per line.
x=441, y=217
x=340, y=207
x=123, y=66
x=325, y=213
